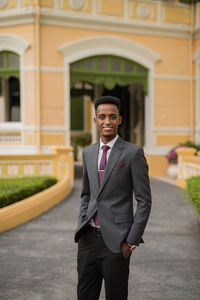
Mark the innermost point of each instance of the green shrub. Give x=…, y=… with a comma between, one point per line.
x=193, y=190
x=83, y=139
x=15, y=189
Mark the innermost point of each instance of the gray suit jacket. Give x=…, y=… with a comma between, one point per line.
x=126, y=172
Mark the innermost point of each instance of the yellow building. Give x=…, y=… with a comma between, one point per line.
x=56, y=56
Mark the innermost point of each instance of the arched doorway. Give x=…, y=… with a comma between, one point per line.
x=111, y=45
x=110, y=75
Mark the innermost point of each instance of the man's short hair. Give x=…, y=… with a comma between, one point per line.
x=108, y=100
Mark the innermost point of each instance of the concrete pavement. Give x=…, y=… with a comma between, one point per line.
x=38, y=259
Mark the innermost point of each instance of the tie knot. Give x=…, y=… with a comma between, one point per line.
x=105, y=148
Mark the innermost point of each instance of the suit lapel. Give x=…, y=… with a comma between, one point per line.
x=114, y=157
x=94, y=168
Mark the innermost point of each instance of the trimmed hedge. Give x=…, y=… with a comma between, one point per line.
x=15, y=189
x=193, y=190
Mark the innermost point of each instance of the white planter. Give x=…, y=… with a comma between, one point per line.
x=172, y=171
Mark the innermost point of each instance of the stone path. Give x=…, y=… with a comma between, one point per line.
x=38, y=259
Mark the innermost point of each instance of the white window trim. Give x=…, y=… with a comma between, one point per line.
x=15, y=44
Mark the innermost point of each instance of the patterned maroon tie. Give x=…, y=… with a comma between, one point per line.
x=101, y=172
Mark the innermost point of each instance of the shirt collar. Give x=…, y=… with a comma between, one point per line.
x=110, y=144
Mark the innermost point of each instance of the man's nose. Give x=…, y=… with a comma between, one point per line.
x=107, y=120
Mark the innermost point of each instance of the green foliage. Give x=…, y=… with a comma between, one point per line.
x=192, y=145
x=189, y=1
x=83, y=139
x=15, y=189
x=193, y=190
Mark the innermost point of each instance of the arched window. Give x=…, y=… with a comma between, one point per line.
x=9, y=87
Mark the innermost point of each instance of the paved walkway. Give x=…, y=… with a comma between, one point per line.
x=38, y=259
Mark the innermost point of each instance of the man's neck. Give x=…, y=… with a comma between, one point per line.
x=106, y=141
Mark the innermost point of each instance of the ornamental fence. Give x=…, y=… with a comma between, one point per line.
x=58, y=164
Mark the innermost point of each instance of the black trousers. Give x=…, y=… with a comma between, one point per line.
x=95, y=263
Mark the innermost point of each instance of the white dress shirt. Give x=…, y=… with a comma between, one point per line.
x=110, y=144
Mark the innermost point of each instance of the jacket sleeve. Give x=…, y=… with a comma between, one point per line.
x=85, y=194
x=142, y=191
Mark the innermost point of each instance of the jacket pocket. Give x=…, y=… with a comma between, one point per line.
x=123, y=218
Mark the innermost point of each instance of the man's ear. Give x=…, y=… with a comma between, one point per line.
x=95, y=120
x=120, y=120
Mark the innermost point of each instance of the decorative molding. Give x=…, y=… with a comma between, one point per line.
x=126, y=9
x=196, y=56
x=143, y=11
x=157, y=150
x=4, y=150
x=19, y=126
x=11, y=125
x=19, y=16
x=29, y=128
x=110, y=23
x=94, y=7
x=92, y=21
x=76, y=4
x=29, y=68
x=160, y=12
x=52, y=69
x=197, y=14
x=53, y=128
x=3, y=3
x=196, y=32
x=172, y=77
x=44, y=69
x=13, y=43
x=172, y=129
x=109, y=45
x=46, y=149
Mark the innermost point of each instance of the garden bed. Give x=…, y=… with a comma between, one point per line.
x=15, y=189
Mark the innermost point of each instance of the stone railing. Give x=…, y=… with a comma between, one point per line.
x=58, y=164
x=188, y=165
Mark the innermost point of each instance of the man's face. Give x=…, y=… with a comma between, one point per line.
x=107, y=121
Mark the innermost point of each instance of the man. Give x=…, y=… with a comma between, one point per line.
x=107, y=230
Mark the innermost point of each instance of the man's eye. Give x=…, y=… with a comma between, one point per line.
x=101, y=117
x=113, y=117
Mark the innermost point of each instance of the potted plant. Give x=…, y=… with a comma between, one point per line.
x=172, y=158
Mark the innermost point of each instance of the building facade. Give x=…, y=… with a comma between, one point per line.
x=57, y=56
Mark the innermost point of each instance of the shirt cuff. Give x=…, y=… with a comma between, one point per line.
x=131, y=246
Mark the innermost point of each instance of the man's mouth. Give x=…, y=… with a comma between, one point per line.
x=107, y=128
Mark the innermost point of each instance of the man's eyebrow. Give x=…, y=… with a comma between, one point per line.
x=113, y=114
